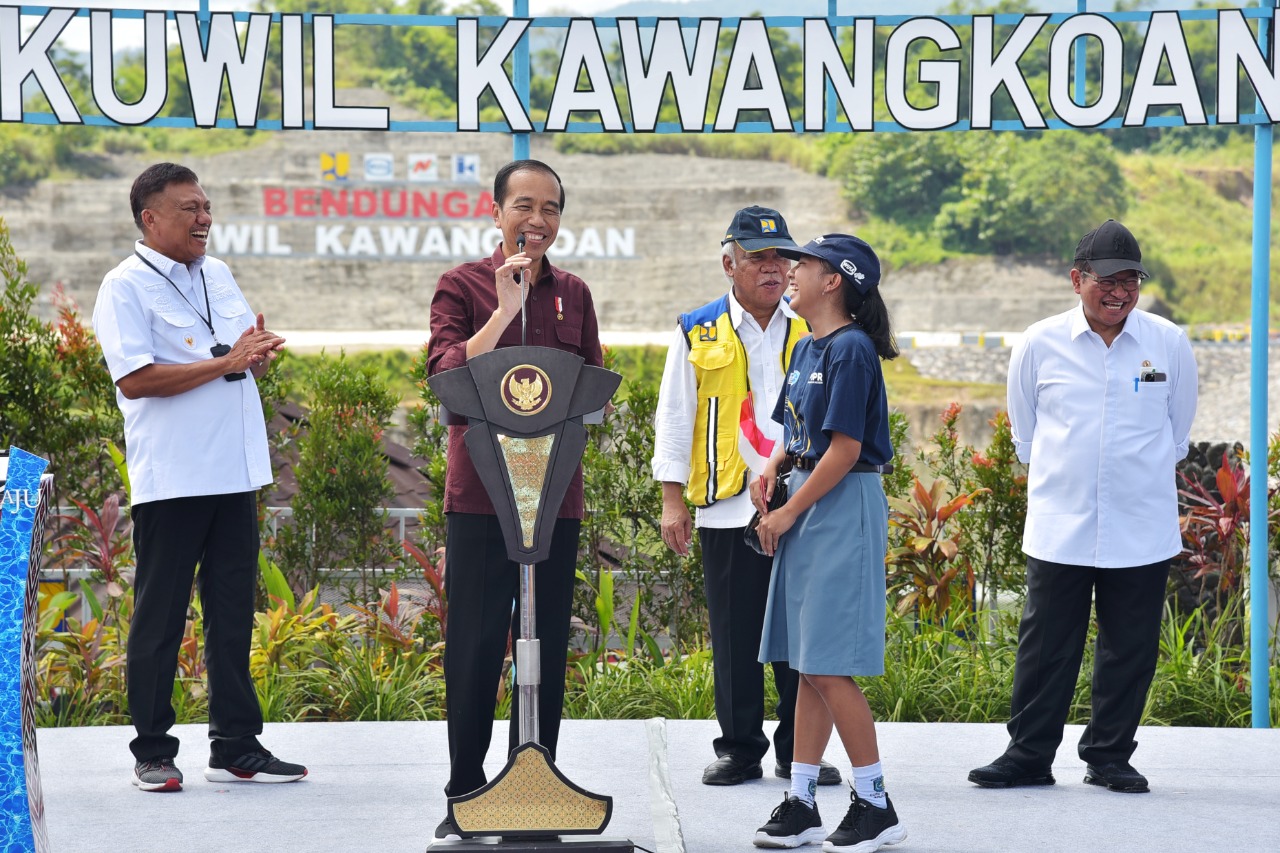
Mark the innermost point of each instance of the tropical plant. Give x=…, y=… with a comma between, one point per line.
x=56, y=399
x=338, y=521
x=992, y=526
x=433, y=573
x=80, y=670
x=94, y=539
x=1216, y=524
x=923, y=570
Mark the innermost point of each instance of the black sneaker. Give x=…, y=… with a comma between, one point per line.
x=157, y=774
x=256, y=766
x=865, y=828
x=792, y=824
x=1117, y=776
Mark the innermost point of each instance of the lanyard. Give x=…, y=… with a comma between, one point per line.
x=207, y=317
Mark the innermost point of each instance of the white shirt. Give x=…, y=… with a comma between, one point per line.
x=210, y=440
x=678, y=405
x=1102, y=447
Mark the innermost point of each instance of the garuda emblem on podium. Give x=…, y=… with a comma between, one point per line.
x=526, y=389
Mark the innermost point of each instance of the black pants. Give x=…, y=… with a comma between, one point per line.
x=220, y=533
x=737, y=586
x=1051, y=639
x=482, y=588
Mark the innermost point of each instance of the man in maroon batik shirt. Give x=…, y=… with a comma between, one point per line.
x=476, y=309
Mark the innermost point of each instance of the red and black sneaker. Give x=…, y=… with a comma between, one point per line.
x=255, y=766
x=157, y=774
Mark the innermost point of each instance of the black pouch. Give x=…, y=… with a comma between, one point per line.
x=218, y=351
x=751, y=534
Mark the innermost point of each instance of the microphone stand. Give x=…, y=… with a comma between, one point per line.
x=527, y=651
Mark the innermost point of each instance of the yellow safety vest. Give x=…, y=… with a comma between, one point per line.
x=720, y=368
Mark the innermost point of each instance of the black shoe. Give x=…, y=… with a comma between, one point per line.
x=792, y=824
x=446, y=831
x=1004, y=772
x=1117, y=776
x=255, y=766
x=731, y=770
x=827, y=773
x=865, y=828
x=157, y=774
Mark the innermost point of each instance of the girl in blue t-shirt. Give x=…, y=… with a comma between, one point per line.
x=826, y=609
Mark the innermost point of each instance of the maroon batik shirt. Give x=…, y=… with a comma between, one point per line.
x=558, y=314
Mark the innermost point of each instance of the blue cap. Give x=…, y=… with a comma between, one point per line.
x=758, y=228
x=855, y=260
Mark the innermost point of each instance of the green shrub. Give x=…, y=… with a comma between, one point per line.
x=338, y=521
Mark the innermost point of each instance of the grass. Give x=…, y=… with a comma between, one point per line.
x=905, y=386
x=644, y=364
x=1204, y=272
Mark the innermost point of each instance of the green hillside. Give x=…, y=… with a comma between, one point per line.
x=919, y=198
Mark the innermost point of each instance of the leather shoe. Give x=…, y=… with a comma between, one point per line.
x=1004, y=772
x=1117, y=776
x=827, y=773
x=731, y=770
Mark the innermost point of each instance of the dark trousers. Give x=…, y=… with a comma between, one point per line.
x=737, y=585
x=482, y=588
x=1051, y=640
x=170, y=537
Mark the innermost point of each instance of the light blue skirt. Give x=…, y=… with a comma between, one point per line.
x=826, y=607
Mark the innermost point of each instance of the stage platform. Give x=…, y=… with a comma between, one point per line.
x=377, y=787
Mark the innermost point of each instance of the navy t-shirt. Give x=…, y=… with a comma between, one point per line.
x=834, y=384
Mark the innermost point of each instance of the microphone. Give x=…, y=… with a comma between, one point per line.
x=524, y=282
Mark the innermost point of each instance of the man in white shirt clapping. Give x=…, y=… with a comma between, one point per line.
x=184, y=351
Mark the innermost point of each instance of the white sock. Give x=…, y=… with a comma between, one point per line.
x=868, y=784
x=804, y=782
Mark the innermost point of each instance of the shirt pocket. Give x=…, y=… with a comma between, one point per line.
x=177, y=319
x=1149, y=407
x=713, y=364
x=178, y=327
x=232, y=310
x=229, y=308
x=569, y=335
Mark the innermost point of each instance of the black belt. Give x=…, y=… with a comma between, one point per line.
x=806, y=464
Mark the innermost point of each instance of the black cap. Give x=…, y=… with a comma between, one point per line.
x=855, y=260
x=1110, y=248
x=758, y=228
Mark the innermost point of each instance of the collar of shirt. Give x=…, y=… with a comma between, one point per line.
x=178, y=273
x=1080, y=324
x=738, y=314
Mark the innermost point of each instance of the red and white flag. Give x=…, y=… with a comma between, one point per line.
x=754, y=446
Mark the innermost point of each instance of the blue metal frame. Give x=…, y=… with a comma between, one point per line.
x=1265, y=13
x=1259, y=546
x=522, y=65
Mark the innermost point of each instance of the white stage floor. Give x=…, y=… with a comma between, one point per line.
x=377, y=787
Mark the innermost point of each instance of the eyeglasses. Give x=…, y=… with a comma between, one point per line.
x=1108, y=285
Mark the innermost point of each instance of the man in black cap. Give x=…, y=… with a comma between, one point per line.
x=1101, y=400
x=726, y=364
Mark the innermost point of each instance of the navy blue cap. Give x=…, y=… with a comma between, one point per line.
x=758, y=228
x=856, y=261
